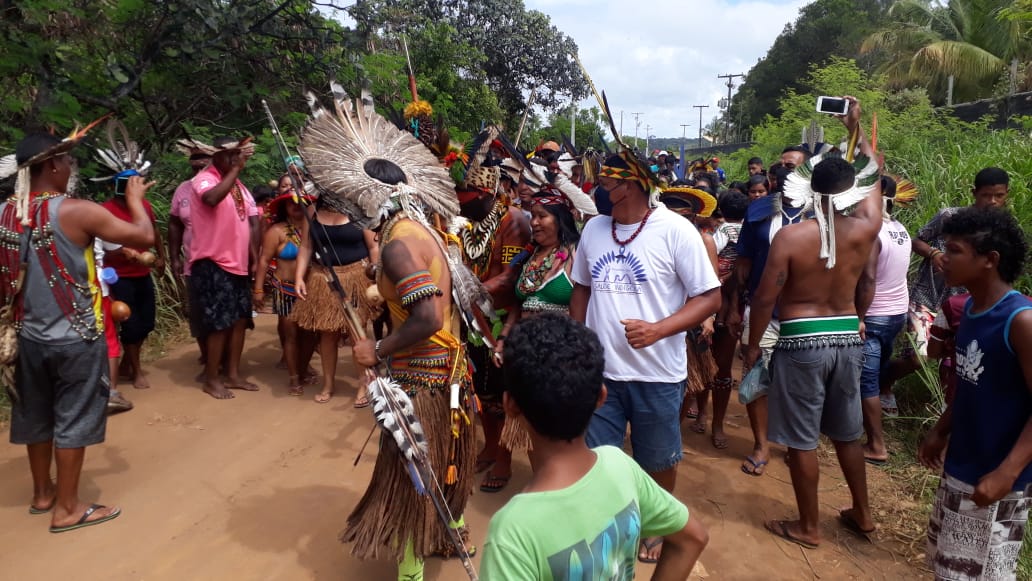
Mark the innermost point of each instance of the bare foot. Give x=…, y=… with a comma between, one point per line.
x=699, y=425
x=141, y=381
x=295, y=386
x=216, y=390
x=323, y=397
x=64, y=518
x=237, y=383
x=310, y=379
x=857, y=522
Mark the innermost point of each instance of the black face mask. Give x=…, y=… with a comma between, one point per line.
x=605, y=207
x=476, y=210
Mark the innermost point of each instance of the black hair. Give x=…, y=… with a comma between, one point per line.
x=733, y=205
x=991, y=176
x=384, y=170
x=806, y=152
x=738, y=186
x=888, y=191
x=564, y=222
x=780, y=173
x=992, y=230
x=755, y=161
x=757, y=179
x=262, y=193
x=832, y=176
x=616, y=161
x=553, y=371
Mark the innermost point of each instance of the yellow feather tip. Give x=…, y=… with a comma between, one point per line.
x=417, y=109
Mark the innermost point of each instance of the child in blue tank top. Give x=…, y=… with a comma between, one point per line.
x=983, y=441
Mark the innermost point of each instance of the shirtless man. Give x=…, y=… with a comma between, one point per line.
x=817, y=362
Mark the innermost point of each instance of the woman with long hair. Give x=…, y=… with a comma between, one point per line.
x=282, y=243
x=544, y=285
x=757, y=187
x=348, y=250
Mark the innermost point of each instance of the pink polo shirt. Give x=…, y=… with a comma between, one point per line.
x=181, y=201
x=221, y=233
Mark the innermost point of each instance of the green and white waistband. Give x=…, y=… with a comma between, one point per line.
x=842, y=331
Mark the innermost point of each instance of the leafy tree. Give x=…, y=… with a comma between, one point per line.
x=927, y=42
x=522, y=51
x=589, y=123
x=824, y=28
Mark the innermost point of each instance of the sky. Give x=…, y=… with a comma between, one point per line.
x=660, y=57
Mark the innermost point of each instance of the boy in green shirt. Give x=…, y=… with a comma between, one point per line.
x=583, y=512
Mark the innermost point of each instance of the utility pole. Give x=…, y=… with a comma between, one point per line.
x=648, y=128
x=637, y=124
x=727, y=108
x=684, y=131
x=700, y=108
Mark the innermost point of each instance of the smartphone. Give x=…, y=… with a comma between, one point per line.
x=120, y=185
x=832, y=105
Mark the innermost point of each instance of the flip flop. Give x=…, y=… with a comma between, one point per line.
x=296, y=390
x=362, y=402
x=323, y=397
x=649, y=545
x=876, y=461
x=850, y=524
x=37, y=510
x=85, y=523
x=494, y=483
x=782, y=531
x=719, y=443
x=757, y=467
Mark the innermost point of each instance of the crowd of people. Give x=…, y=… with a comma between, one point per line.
x=572, y=303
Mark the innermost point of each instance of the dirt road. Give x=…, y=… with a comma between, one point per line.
x=259, y=486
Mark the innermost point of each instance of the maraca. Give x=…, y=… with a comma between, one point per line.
x=372, y=292
x=146, y=258
x=120, y=311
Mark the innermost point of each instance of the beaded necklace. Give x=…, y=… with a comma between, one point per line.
x=641, y=226
x=67, y=291
x=10, y=257
x=534, y=275
x=478, y=239
x=238, y=201
x=293, y=235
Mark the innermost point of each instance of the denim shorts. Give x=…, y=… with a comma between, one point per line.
x=881, y=334
x=654, y=412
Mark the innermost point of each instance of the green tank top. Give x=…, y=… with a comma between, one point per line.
x=553, y=295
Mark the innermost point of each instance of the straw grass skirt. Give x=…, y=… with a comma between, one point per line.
x=321, y=311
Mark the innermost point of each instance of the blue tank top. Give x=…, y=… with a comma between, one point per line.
x=992, y=403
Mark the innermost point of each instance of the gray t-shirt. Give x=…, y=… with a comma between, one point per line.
x=929, y=287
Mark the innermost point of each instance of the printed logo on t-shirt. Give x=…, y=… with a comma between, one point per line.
x=900, y=237
x=618, y=273
x=206, y=184
x=969, y=362
x=608, y=556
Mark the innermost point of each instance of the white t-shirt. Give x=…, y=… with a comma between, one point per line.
x=648, y=279
x=891, y=295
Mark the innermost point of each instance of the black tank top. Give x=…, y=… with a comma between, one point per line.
x=344, y=244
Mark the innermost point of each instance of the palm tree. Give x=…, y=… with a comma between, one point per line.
x=928, y=41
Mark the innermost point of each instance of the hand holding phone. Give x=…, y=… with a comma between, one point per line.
x=833, y=105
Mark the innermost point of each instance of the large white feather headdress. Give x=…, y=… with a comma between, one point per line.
x=561, y=184
x=800, y=194
x=336, y=144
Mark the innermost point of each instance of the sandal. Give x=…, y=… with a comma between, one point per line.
x=87, y=523
x=648, y=546
x=756, y=468
x=362, y=402
x=779, y=529
x=323, y=397
x=850, y=524
x=494, y=483
x=296, y=390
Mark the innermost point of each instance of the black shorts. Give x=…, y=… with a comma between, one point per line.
x=194, y=313
x=222, y=298
x=63, y=393
x=488, y=379
x=138, y=293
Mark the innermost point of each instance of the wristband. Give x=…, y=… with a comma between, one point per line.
x=376, y=351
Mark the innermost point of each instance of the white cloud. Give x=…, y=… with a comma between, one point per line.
x=663, y=56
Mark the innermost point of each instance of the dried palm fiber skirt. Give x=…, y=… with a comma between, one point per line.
x=702, y=368
x=322, y=311
x=391, y=511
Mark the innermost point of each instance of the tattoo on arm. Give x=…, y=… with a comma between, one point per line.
x=781, y=279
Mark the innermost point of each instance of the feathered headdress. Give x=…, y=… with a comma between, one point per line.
x=799, y=193
x=188, y=146
x=9, y=165
x=556, y=188
x=122, y=155
x=336, y=145
x=639, y=169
